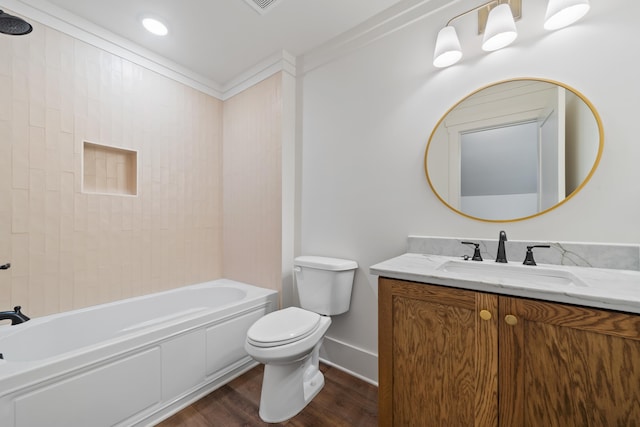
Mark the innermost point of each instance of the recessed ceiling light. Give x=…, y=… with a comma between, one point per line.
x=154, y=26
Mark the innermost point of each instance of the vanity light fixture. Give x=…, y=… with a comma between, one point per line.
x=155, y=27
x=496, y=20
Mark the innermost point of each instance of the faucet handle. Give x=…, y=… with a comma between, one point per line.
x=528, y=259
x=24, y=317
x=476, y=250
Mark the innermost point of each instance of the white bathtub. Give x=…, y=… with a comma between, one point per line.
x=127, y=363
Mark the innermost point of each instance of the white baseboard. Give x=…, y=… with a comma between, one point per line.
x=353, y=360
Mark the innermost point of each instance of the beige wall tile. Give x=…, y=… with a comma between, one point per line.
x=5, y=100
x=6, y=58
x=69, y=249
x=20, y=209
x=37, y=148
x=20, y=163
x=252, y=201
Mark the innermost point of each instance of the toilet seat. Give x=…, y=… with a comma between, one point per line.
x=283, y=327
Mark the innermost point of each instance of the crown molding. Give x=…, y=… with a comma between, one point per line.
x=393, y=19
x=385, y=23
x=281, y=61
x=59, y=19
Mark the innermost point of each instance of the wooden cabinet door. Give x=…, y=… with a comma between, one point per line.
x=563, y=365
x=438, y=357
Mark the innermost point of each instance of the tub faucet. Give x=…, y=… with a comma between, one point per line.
x=16, y=316
x=502, y=255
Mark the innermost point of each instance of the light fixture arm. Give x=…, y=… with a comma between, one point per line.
x=447, y=50
x=484, y=9
x=472, y=10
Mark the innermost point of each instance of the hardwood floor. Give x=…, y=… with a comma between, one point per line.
x=344, y=401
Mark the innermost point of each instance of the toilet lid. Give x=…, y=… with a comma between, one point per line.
x=283, y=327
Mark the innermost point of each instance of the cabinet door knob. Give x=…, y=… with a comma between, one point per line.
x=511, y=319
x=485, y=314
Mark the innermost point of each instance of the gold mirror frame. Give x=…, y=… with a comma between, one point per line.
x=568, y=197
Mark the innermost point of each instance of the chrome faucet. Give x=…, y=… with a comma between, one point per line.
x=502, y=254
x=16, y=316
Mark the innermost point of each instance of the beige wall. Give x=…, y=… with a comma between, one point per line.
x=252, y=184
x=70, y=249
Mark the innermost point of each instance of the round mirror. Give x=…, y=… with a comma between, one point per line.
x=514, y=150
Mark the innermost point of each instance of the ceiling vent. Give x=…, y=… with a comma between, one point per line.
x=262, y=6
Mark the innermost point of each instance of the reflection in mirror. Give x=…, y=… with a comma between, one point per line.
x=514, y=150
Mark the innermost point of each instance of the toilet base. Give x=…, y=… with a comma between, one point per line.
x=288, y=388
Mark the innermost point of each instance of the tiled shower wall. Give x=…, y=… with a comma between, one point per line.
x=70, y=249
x=253, y=185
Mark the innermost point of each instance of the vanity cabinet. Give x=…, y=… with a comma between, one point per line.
x=455, y=357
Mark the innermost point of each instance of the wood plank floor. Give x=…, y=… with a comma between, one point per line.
x=344, y=401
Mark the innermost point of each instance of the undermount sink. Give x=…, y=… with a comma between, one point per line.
x=516, y=274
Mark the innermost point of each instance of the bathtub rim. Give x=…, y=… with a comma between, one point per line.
x=7, y=329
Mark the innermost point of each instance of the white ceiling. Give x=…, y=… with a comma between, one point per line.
x=220, y=39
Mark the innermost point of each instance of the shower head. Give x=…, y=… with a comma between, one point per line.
x=13, y=25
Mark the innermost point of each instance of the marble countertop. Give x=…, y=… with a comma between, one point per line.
x=593, y=287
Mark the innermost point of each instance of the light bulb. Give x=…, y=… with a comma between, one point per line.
x=155, y=27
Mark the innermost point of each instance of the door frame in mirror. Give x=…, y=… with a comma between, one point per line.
x=561, y=202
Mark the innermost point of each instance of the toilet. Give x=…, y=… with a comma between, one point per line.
x=288, y=341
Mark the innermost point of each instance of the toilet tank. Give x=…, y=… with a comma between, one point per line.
x=324, y=284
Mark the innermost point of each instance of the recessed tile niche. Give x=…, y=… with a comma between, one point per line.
x=109, y=170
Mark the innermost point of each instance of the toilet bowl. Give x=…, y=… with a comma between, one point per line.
x=288, y=341
x=287, y=335
x=291, y=376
